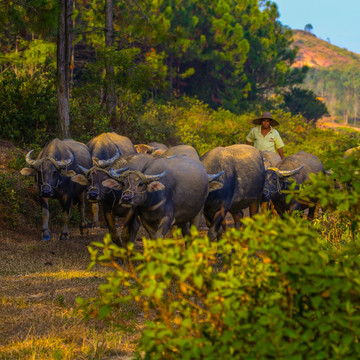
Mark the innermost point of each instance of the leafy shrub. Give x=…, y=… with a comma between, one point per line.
x=27, y=108
x=14, y=194
x=338, y=192
x=268, y=291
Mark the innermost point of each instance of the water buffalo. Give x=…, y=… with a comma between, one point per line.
x=105, y=149
x=298, y=167
x=109, y=198
x=169, y=191
x=52, y=170
x=153, y=147
x=180, y=150
x=270, y=158
x=243, y=181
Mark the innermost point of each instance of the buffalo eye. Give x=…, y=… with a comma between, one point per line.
x=141, y=184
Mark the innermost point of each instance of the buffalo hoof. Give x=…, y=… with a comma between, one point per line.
x=45, y=235
x=64, y=236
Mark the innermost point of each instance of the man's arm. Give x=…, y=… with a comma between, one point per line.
x=281, y=153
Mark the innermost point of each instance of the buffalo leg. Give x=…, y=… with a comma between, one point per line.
x=185, y=229
x=196, y=220
x=215, y=230
x=254, y=208
x=83, y=225
x=66, y=206
x=165, y=225
x=95, y=214
x=131, y=227
x=150, y=229
x=237, y=216
x=110, y=222
x=45, y=232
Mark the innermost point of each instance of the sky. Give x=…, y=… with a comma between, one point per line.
x=332, y=20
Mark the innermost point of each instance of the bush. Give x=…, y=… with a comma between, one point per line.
x=27, y=108
x=268, y=291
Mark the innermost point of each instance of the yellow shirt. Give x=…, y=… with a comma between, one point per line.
x=271, y=142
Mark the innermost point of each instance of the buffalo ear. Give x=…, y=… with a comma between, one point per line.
x=69, y=173
x=112, y=184
x=79, y=179
x=27, y=171
x=215, y=185
x=155, y=186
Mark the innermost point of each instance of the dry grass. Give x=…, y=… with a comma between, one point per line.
x=39, y=282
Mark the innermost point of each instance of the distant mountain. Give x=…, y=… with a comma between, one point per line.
x=334, y=76
x=318, y=53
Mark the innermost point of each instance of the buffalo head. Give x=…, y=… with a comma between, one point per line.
x=277, y=180
x=134, y=185
x=49, y=173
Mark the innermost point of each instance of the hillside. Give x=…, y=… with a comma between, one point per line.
x=318, y=53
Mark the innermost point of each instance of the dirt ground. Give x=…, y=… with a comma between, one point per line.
x=40, y=281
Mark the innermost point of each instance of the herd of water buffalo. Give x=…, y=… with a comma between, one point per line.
x=159, y=187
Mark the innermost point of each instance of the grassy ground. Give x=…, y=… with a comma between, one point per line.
x=39, y=282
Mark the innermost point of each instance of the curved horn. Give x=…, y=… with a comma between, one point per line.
x=290, y=172
x=83, y=169
x=119, y=173
x=156, y=177
x=67, y=162
x=107, y=162
x=212, y=177
x=30, y=161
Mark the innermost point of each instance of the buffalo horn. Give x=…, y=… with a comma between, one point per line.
x=83, y=169
x=30, y=161
x=116, y=173
x=290, y=172
x=67, y=162
x=212, y=177
x=156, y=177
x=107, y=162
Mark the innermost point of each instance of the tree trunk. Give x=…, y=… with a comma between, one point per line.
x=110, y=97
x=64, y=44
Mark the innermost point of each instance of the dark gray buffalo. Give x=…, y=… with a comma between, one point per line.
x=243, y=181
x=153, y=147
x=52, y=170
x=298, y=167
x=169, y=191
x=109, y=198
x=104, y=149
x=271, y=159
x=185, y=150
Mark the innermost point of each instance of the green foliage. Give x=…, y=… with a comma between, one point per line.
x=13, y=195
x=270, y=290
x=339, y=191
x=340, y=90
x=27, y=108
x=304, y=102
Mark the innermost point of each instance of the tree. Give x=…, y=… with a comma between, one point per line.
x=110, y=97
x=308, y=27
x=63, y=74
x=304, y=102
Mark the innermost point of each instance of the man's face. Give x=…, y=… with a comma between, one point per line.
x=265, y=123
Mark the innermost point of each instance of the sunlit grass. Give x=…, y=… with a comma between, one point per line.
x=71, y=343
x=69, y=274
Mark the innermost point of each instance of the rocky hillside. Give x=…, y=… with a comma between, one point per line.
x=318, y=53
